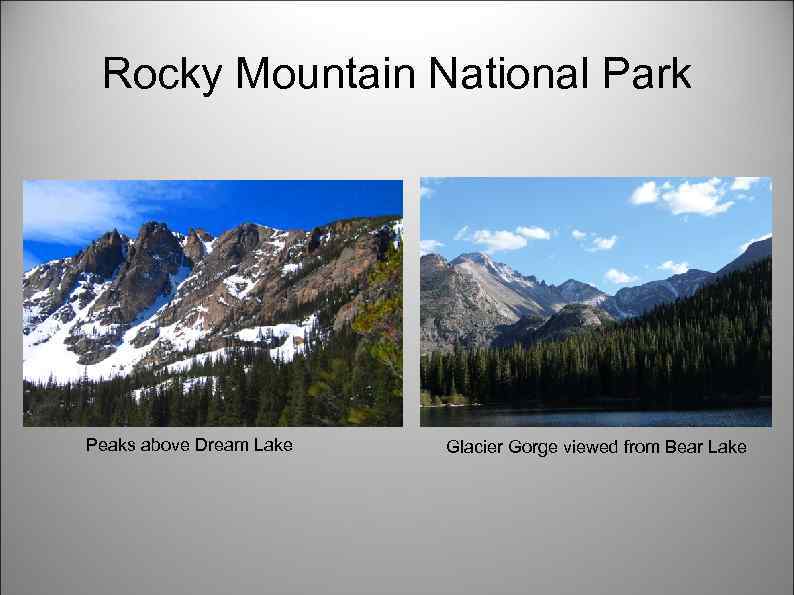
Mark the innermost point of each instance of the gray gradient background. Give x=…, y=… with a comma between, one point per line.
x=385, y=510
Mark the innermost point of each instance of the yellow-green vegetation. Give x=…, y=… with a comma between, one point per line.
x=379, y=323
x=428, y=400
x=425, y=398
x=379, y=319
x=457, y=400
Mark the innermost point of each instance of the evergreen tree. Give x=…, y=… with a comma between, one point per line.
x=714, y=345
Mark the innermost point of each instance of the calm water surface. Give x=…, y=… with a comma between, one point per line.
x=760, y=416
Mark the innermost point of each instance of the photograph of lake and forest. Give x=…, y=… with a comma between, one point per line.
x=212, y=303
x=596, y=302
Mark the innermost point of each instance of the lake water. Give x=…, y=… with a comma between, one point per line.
x=760, y=416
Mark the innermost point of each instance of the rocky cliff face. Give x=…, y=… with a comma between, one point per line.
x=474, y=301
x=144, y=279
x=123, y=303
x=518, y=294
x=456, y=309
x=50, y=288
x=572, y=319
x=196, y=245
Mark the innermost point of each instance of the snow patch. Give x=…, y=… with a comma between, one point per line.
x=290, y=268
x=278, y=245
x=46, y=353
x=187, y=384
x=294, y=336
x=201, y=358
x=398, y=229
x=238, y=286
x=180, y=238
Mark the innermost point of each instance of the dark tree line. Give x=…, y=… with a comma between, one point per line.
x=333, y=384
x=716, y=344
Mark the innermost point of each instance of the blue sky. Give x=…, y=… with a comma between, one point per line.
x=610, y=232
x=61, y=217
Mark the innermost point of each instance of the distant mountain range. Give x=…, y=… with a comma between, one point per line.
x=475, y=301
x=167, y=299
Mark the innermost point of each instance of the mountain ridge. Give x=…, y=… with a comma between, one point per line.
x=522, y=300
x=124, y=302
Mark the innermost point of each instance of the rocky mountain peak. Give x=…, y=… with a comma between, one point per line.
x=760, y=249
x=500, y=269
x=576, y=291
x=478, y=257
x=153, y=258
x=753, y=253
x=197, y=244
x=156, y=247
x=573, y=284
x=155, y=244
x=152, y=229
x=201, y=234
x=234, y=245
x=691, y=274
x=571, y=319
x=104, y=255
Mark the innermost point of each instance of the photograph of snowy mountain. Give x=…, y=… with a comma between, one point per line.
x=212, y=303
x=596, y=301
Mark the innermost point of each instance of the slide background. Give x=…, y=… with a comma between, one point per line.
x=386, y=510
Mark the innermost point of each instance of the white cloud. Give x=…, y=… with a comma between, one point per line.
x=646, y=194
x=461, y=233
x=429, y=246
x=496, y=241
x=601, y=244
x=703, y=198
x=427, y=186
x=75, y=212
x=533, y=233
x=29, y=260
x=746, y=245
x=743, y=183
x=500, y=240
x=618, y=277
x=677, y=268
x=597, y=243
